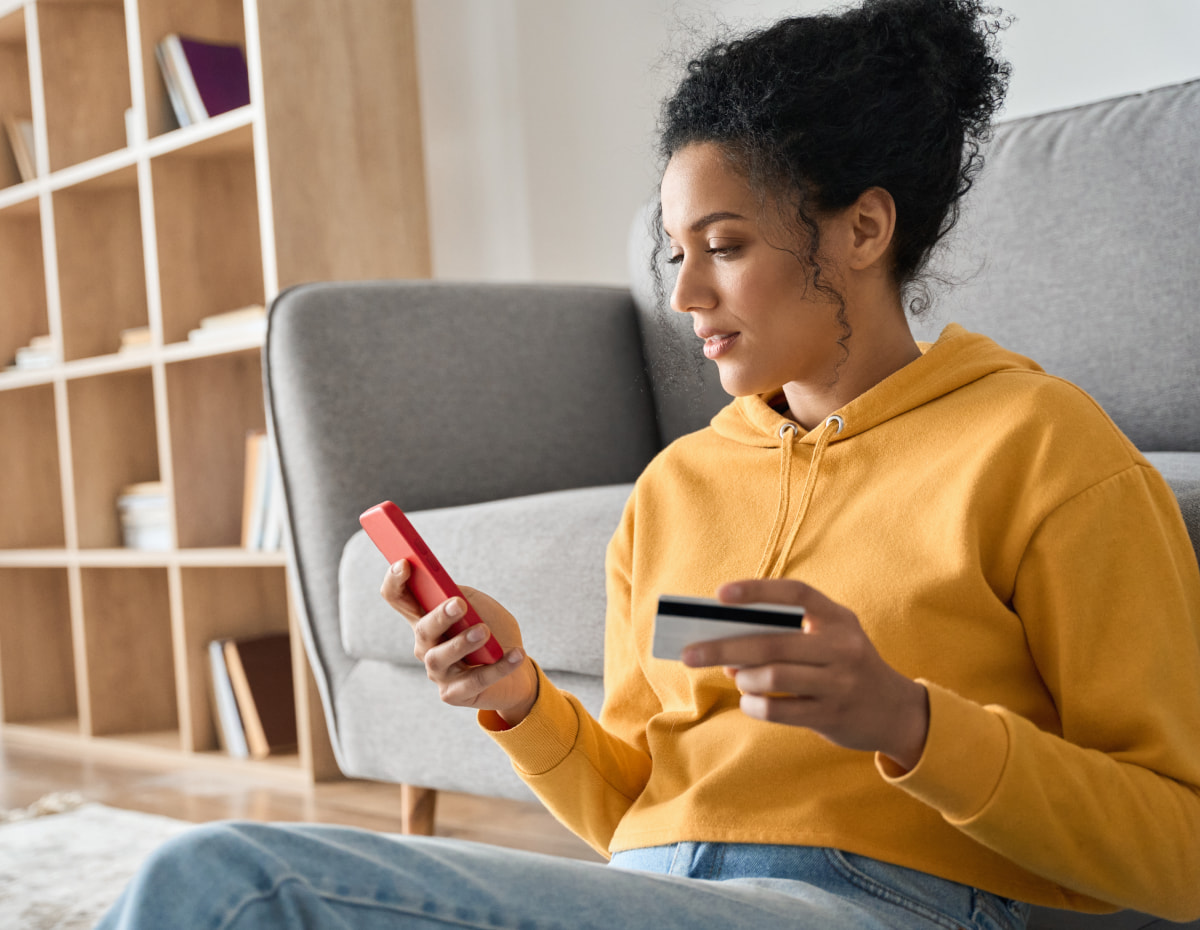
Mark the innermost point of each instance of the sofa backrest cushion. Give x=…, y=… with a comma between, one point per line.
x=1080, y=247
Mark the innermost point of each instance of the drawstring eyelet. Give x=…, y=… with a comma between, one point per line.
x=834, y=418
x=788, y=428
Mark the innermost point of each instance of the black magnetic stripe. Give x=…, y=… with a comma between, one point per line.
x=729, y=612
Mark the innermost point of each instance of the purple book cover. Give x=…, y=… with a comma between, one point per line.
x=220, y=74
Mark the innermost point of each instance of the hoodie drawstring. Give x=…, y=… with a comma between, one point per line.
x=772, y=556
x=787, y=435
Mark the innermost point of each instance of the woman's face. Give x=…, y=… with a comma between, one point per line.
x=749, y=297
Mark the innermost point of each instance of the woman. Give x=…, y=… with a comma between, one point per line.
x=993, y=697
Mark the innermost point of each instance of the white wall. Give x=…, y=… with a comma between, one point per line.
x=539, y=114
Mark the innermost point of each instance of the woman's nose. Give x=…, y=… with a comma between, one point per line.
x=691, y=290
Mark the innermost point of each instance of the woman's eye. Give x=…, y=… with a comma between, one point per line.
x=723, y=251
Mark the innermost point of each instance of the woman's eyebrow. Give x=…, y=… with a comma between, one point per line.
x=708, y=219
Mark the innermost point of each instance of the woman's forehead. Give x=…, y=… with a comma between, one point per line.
x=699, y=187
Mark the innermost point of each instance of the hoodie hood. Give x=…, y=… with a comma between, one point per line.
x=957, y=358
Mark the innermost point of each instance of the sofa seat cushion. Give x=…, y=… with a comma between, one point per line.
x=541, y=556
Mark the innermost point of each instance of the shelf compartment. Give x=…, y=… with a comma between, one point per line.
x=114, y=443
x=209, y=241
x=213, y=402
x=102, y=272
x=37, y=665
x=218, y=21
x=85, y=69
x=31, y=492
x=23, y=272
x=14, y=87
x=130, y=666
x=223, y=603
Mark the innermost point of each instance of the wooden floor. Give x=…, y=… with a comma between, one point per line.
x=27, y=774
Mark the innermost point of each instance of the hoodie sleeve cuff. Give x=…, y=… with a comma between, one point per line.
x=964, y=758
x=544, y=738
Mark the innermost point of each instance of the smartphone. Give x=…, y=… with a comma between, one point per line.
x=429, y=583
x=681, y=621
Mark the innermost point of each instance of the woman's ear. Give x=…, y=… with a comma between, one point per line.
x=871, y=224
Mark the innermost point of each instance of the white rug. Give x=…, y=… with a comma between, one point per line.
x=64, y=861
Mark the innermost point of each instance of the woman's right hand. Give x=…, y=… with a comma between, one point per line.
x=509, y=686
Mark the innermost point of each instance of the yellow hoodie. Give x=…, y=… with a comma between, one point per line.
x=1001, y=541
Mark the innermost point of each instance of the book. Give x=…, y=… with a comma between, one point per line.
x=145, y=516
x=38, y=354
x=215, y=335
x=252, y=330
x=244, y=323
x=230, y=734
x=262, y=495
x=260, y=672
x=171, y=80
x=20, y=137
x=256, y=474
x=272, y=535
x=202, y=78
x=136, y=337
x=31, y=357
x=249, y=313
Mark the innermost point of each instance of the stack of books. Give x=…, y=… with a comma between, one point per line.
x=234, y=325
x=145, y=516
x=253, y=701
x=38, y=354
x=202, y=78
x=262, y=496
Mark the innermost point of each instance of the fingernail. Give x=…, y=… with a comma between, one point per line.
x=515, y=657
x=690, y=656
x=476, y=634
x=455, y=608
x=733, y=590
x=398, y=567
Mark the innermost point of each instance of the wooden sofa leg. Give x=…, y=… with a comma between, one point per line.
x=418, y=806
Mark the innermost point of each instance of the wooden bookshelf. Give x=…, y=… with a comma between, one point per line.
x=134, y=222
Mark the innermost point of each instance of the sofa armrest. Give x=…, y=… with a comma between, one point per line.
x=1181, y=470
x=434, y=395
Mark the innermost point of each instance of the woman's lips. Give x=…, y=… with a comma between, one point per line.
x=716, y=346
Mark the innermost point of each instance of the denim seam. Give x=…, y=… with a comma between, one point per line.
x=716, y=863
x=1000, y=911
x=399, y=907
x=891, y=895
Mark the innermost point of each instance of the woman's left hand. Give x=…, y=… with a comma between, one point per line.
x=828, y=678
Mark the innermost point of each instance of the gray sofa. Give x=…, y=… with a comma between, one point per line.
x=510, y=420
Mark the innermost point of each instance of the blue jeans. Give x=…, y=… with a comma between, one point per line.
x=250, y=876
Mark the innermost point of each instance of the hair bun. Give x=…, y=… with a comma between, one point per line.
x=948, y=46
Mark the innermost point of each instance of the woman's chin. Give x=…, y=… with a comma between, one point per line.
x=736, y=384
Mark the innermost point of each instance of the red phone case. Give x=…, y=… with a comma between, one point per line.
x=429, y=583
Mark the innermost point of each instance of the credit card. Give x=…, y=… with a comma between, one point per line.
x=681, y=621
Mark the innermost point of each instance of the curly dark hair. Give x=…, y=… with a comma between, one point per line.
x=814, y=110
